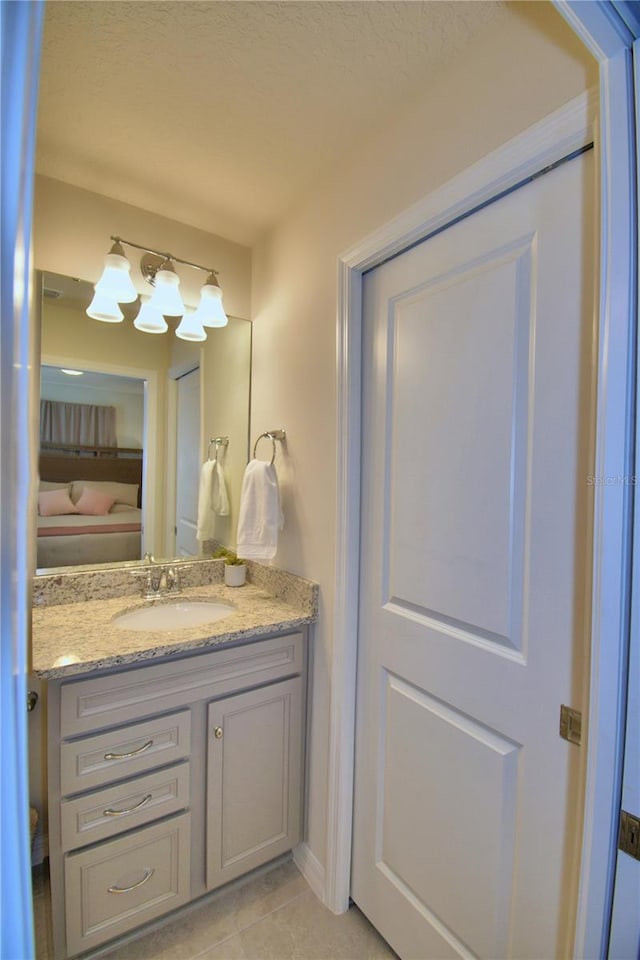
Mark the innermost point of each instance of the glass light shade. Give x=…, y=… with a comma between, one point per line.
x=115, y=280
x=105, y=308
x=190, y=328
x=210, y=311
x=150, y=320
x=166, y=296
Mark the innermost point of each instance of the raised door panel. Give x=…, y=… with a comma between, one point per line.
x=253, y=779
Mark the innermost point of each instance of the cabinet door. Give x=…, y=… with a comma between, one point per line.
x=253, y=779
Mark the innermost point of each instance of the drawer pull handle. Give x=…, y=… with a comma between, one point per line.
x=148, y=873
x=127, y=756
x=121, y=813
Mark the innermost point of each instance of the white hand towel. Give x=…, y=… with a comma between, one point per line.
x=206, y=516
x=260, y=515
x=220, y=497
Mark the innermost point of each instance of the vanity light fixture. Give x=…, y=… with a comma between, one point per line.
x=104, y=307
x=157, y=268
x=115, y=281
x=72, y=373
x=150, y=319
x=190, y=328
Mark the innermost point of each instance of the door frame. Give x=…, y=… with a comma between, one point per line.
x=174, y=374
x=567, y=129
x=149, y=431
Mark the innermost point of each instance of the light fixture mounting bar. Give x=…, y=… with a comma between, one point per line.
x=165, y=256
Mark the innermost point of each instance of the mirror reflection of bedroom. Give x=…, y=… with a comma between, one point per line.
x=151, y=444
x=90, y=464
x=92, y=436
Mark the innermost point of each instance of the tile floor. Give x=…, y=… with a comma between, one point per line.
x=271, y=916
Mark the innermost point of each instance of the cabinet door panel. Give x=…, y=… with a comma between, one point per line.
x=253, y=779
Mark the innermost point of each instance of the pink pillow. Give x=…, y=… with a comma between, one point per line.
x=94, y=503
x=55, y=503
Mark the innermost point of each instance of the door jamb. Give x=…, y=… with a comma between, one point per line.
x=173, y=375
x=612, y=512
x=149, y=429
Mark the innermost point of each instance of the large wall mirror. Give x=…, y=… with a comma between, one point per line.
x=130, y=417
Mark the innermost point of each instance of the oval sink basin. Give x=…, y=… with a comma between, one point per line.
x=174, y=615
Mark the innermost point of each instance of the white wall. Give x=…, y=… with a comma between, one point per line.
x=515, y=73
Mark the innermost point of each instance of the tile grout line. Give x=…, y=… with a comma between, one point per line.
x=254, y=923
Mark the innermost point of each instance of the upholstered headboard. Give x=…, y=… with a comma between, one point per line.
x=59, y=465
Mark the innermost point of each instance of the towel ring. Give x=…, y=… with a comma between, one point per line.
x=272, y=435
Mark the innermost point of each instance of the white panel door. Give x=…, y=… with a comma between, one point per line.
x=475, y=552
x=188, y=464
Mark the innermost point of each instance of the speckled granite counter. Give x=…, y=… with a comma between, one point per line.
x=72, y=638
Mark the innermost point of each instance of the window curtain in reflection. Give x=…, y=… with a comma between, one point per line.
x=84, y=424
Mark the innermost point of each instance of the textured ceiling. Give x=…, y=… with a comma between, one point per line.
x=221, y=114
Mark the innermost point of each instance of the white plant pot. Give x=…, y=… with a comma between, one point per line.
x=235, y=574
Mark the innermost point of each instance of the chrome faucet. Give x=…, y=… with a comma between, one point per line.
x=160, y=580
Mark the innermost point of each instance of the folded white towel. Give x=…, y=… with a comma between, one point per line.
x=206, y=516
x=220, y=497
x=260, y=514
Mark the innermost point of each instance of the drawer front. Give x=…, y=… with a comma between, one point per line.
x=116, y=886
x=106, y=813
x=103, y=701
x=121, y=753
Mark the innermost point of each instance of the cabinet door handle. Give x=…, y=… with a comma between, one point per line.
x=148, y=873
x=127, y=756
x=121, y=813
x=217, y=732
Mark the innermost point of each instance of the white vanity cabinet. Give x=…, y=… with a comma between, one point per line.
x=168, y=780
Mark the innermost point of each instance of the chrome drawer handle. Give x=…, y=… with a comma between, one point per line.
x=148, y=873
x=122, y=813
x=127, y=756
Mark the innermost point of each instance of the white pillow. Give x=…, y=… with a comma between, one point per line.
x=122, y=492
x=121, y=508
x=46, y=485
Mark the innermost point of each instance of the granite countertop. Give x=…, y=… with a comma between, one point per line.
x=79, y=637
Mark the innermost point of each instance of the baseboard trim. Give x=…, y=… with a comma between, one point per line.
x=311, y=869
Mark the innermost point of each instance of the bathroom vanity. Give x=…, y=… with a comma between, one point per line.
x=175, y=757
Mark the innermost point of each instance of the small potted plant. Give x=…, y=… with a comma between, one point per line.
x=235, y=569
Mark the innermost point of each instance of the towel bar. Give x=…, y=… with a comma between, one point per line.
x=272, y=435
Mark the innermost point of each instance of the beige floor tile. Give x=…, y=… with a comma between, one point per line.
x=263, y=894
x=305, y=930
x=272, y=916
x=188, y=935
x=230, y=949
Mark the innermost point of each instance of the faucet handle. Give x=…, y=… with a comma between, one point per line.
x=172, y=578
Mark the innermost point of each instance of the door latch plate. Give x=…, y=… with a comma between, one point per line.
x=629, y=838
x=570, y=724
